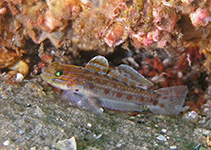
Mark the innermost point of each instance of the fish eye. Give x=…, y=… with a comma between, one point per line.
x=59, y=73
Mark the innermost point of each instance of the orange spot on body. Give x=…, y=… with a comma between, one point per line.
x=91, y=86
x=89, y=78
x=132, y=83
x=171, y=99
x=114, y=85
x=106, y=91
x=119, y=95
x=164, y=97
x=162, y=105
x=150, y=101
x=125, y=79
x=96, y=69
x=104, y=81
x=141, y=100
x=98, y=80
x=129, y=97
x=104, y=70
x=155, y=102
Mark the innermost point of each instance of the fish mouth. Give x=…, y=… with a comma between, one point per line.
x=46, y=76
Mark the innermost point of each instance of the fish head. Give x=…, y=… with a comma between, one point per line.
x=61, y=76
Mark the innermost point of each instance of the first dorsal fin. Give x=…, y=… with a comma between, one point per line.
x=98, y=64
x=128, y=75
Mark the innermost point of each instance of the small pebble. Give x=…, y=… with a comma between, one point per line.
x=202, y=121
x=161, y=138
x=166, y=62
x=156, y=126
x=89, y=125
x=6, y=143
x=179, y=74
x=156, y=145
x=120, y=143
x=158, y=79
x=173, y=147
x=206, y=132
x=144, y=148
x=66, y=144
x=164, y=130
x=32, y=148
x=191, y=117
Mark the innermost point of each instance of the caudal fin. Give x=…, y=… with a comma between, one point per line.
x=170, y=101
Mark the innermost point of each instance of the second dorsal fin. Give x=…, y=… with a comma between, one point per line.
x=98, y=64
x=128, y=75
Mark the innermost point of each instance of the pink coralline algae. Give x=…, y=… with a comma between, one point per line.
x=200, y=17
x=104, y=25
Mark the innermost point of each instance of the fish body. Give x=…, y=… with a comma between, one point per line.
x=121, y=88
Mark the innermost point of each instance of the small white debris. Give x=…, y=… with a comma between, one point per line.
x=84, y=1
x=19, y=77
x=156, y=126
x=32, y=148
x=6, y=143
x=164, y=130
x=89, y=125
x=166, y=62
x=202, y=121
x=158, y=79
x=38, y=112
x=97, y=136
x=120, y=143
x=132, y=61
x=173, y=147
x=179, y=74
x=102, y=110
x=161, y=138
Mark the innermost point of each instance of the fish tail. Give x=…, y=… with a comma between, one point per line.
x=170, y=100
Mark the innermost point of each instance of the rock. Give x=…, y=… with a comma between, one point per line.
x=66, y=144
x=161, y=138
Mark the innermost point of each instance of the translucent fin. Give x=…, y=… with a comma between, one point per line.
x=170, y=101
x=128, y=75
x=119, y=105
x=98, y=64
x=82, y=101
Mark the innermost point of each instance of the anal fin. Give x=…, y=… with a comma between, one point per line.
x=120, y=105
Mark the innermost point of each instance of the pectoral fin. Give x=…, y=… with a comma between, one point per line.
x=82, y=101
